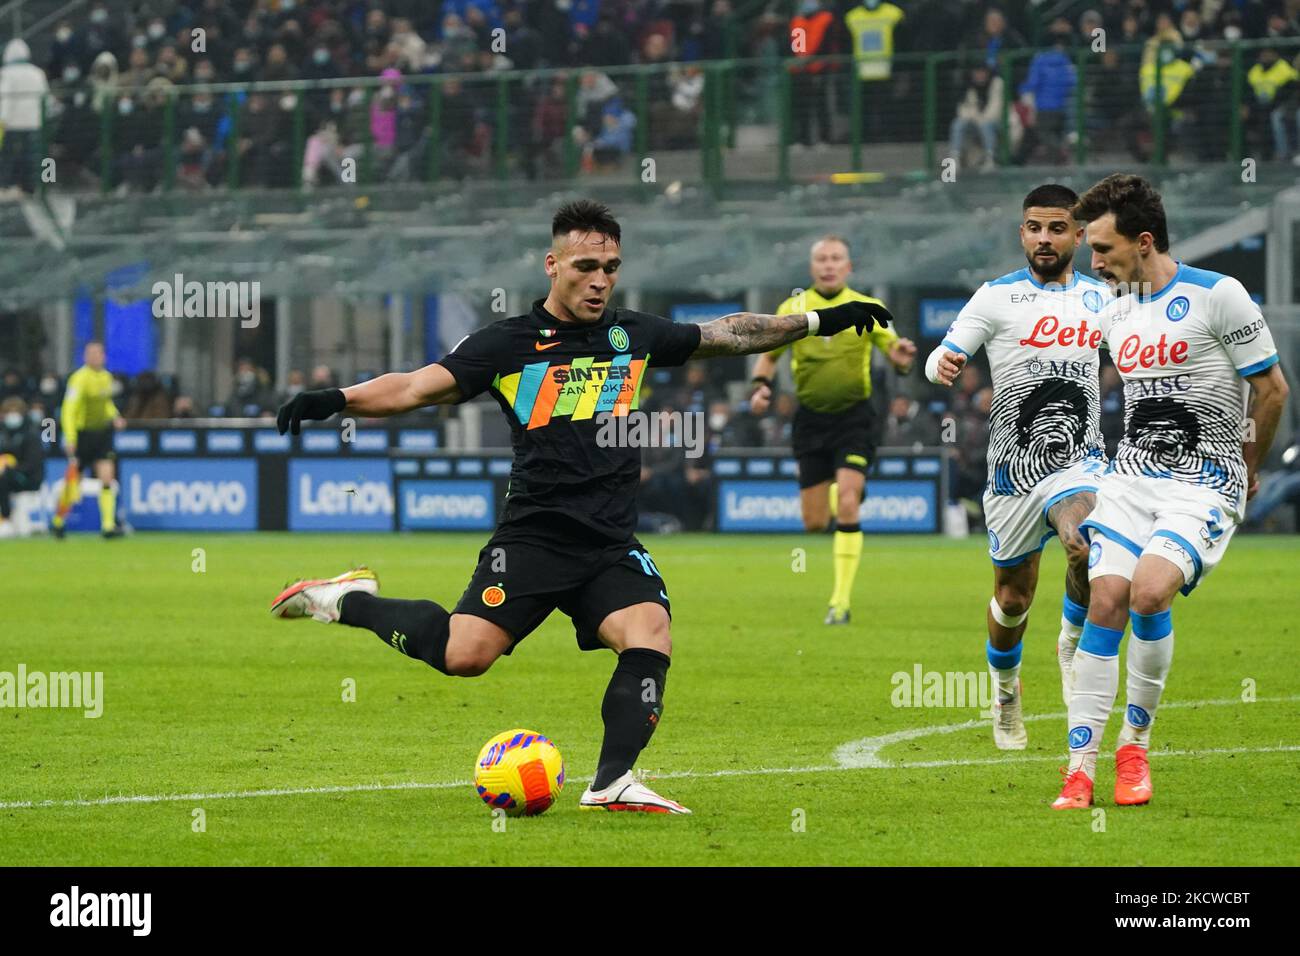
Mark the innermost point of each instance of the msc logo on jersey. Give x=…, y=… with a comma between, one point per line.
x=1178, y=309
x=1093, y=301
x=618, y=339
x=1079, y=737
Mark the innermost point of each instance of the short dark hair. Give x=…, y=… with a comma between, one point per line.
x=1135, y=203
x=1051, y=196
x=586, y=215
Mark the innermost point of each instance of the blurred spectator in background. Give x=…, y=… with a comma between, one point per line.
x=104, y=82
x=907, y=425
x=549, y=131
x=322, y=161
x=995, y=38
x=606, y=149
x=871, y=25
x=22, y=88
x=12, y=385
x=322, y=376
x=810, y=35
x=1046, y=99
x=1271, y=112
x=183, y=407
x=251, y=395
x=979, y=112
x=148, y=399
x=22, y=456
x=294, y=384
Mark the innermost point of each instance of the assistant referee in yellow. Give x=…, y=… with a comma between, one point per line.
x=834, y=425
x=87, y=420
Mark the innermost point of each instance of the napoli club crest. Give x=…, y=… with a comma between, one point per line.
x=1092, y=300
x=1178, y=309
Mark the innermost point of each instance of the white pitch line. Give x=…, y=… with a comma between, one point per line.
x=865, y=750
x=864, y=754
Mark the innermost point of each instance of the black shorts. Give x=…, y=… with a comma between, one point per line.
x=531, y=567
x=825, y=441
x=94, y=445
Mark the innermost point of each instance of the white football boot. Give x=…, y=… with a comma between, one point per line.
x=319, y=598
x=1008, y=723
x=627, y=793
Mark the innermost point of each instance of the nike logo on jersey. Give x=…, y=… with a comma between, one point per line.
x=543, y=346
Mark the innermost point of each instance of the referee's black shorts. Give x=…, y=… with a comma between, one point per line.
x=535, y=565
x=95, y=444
x=826, y=441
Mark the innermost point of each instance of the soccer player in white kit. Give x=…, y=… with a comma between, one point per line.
x=1184, y=341
x=1041, y=329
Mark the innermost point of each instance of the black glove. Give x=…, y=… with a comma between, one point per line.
x=316, y=405
x=863, y=316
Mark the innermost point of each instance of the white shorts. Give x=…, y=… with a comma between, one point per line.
x=1184, y=524
x=1018, y=524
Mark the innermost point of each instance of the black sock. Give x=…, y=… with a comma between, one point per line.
x=418, y=629
x=631, y=709
x=848, y=528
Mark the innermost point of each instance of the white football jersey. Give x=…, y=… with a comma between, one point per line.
x=1183, y=353
x=1042, y=343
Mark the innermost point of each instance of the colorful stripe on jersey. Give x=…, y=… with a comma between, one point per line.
x=577, y=390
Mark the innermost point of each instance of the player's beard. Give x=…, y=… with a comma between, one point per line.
x=1049, y=271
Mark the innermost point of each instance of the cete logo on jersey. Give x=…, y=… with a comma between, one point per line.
x=1049, y=331
x=1132, y=353
x=618, y=339
x=1093, y=301
x=1177, y=310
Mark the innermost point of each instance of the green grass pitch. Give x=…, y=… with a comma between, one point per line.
x=209, y=703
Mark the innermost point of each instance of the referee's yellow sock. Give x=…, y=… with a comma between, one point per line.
x=108, y=507
x=847, y=550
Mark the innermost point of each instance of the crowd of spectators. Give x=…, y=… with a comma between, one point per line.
x=131, y=67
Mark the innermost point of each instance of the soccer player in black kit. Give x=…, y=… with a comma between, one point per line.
x=565, y=537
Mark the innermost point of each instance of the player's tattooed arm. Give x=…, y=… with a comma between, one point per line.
x=1268, y=394
x=399, y=392
x=743, y=333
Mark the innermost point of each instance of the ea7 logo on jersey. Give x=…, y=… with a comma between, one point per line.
x=1018, y=297
x=1133, y=354
x=1049, y=331
x=1247, y=333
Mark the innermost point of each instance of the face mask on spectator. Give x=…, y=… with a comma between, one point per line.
x=321, y=56
x=243, y=66
x=125, y=107
x=287, y=4
x=563, y=4
x=288, y=102
x=718, y=421
x=201, y=105
x=99, y=15
x=139, y=41
x=13, y=419
x=1232, y=33
x=79, y=99
x=157, y=31
x=71, y=74
x=49, y=385
x=63, y=34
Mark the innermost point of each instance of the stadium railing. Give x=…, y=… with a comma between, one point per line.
x=717, y=122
